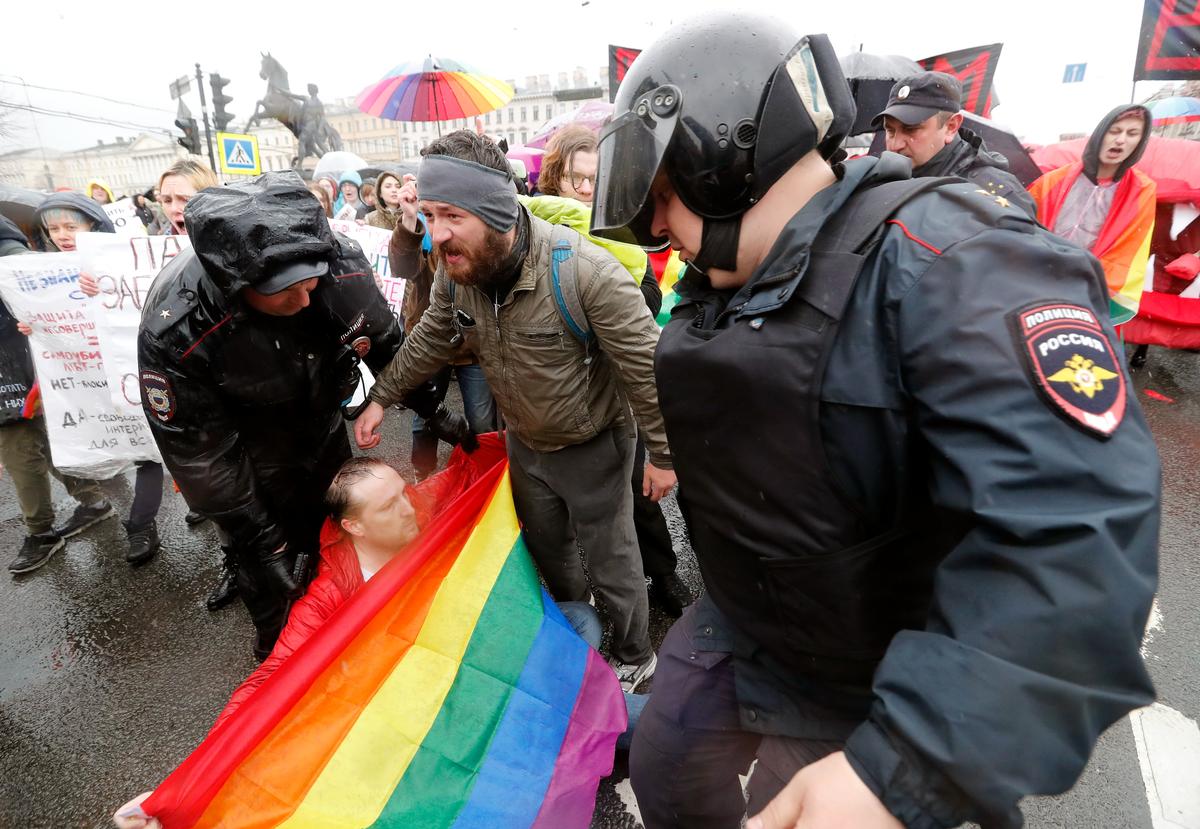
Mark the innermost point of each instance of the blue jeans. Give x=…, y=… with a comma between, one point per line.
x=586, y=621
x=478, y=406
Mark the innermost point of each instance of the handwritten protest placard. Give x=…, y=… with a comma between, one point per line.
x=125, y=218
x=125, y=267
x=374, y=243
x=89, y=437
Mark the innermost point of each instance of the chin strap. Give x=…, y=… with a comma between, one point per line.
x=718, y=245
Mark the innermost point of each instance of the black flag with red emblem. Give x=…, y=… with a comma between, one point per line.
x=975, y=68
x=1169, y=45
x=620, y=58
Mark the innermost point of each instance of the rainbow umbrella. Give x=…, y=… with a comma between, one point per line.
x=434, y=89
x=1177, y=110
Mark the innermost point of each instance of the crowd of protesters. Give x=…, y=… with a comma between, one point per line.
x=562, y=355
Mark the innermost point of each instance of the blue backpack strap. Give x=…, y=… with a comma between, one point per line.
x=564, y=276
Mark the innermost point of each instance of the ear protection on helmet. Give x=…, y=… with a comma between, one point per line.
x=806, y=105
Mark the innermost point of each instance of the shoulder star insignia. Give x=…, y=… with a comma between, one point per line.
x=166, y=313
x=1000, y=200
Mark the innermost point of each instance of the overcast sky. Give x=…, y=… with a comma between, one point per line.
x=106, y=49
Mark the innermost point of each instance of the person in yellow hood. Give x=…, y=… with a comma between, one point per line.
x=98, y=190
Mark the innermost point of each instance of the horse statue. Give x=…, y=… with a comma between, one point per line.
x=305, y=117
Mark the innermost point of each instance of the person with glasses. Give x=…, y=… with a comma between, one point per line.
x=569, y=168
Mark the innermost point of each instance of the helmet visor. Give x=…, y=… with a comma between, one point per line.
x=631, y=151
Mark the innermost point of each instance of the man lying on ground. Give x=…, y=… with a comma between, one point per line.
x=374, y=518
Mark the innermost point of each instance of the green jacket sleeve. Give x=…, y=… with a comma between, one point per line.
x=426, y=350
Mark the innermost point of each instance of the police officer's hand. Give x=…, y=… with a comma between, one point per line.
x=279, y=574
x=829, y=794
x=366, y=426
x=453, y=428
x=657, y=483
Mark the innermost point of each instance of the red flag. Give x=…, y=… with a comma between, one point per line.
x=975, y=69
x=1169, y=44
x=620, y=58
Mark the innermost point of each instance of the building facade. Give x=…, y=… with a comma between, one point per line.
x=133, y=164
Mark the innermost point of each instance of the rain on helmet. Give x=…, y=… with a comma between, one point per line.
x=726, y=104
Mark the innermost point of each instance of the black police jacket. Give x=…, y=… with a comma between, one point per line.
x=925, y=506
x=968, y=157
x=246, y=408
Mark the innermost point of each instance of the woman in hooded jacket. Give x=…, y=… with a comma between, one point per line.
x=349, y=205
x=1105, y=206
x=99, y=191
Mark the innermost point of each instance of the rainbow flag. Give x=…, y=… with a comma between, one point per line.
x=1123, y=246
x=448, y=692
x=669, y=270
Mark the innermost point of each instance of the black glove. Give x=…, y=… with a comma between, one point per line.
x=453, y=428
x=279, y=574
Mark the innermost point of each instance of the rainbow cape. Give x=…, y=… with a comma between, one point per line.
x=448, y=692
x=1123, y=246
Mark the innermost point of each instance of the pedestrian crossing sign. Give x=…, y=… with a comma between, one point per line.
x=239, y=153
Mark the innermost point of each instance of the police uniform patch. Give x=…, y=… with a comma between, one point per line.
x=361, y=346
x=158, y=394
x=1073, y=364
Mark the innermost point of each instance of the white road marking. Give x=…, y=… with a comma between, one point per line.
x=1168, y=749
x=625, y=791
x=1153, y=626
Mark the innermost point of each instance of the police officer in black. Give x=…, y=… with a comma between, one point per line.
x=922, y=494
x=248, y=348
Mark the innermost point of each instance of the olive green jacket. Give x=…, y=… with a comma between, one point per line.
x=550, y=392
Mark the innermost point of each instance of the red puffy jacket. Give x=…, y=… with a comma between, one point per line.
x=339, y=575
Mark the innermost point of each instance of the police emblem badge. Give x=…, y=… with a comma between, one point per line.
x=1073, y=364
x=158, y=395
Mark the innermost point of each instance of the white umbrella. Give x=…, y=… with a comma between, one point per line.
x=337, y=162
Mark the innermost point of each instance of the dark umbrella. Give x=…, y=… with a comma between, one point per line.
x=397, y=168
x=1000, y=140
x=19, y=205
x=871, y=78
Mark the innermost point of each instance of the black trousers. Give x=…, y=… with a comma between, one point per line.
x=654, y=539
x=689, y=748
x=300, y=513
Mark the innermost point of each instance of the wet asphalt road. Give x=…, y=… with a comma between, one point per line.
x=110, y=675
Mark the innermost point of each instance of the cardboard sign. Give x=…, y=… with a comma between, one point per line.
x=89, y=436
x=125, y=268
x=125, y=219
x=374, y=242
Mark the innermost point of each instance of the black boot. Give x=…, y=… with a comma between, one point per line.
x=670, y=594
x=193, y=518
x=1139, y=356
x=264, y=642
x=143, y=542
x=225, y=591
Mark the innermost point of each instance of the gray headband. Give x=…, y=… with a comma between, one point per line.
x=489, y=194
